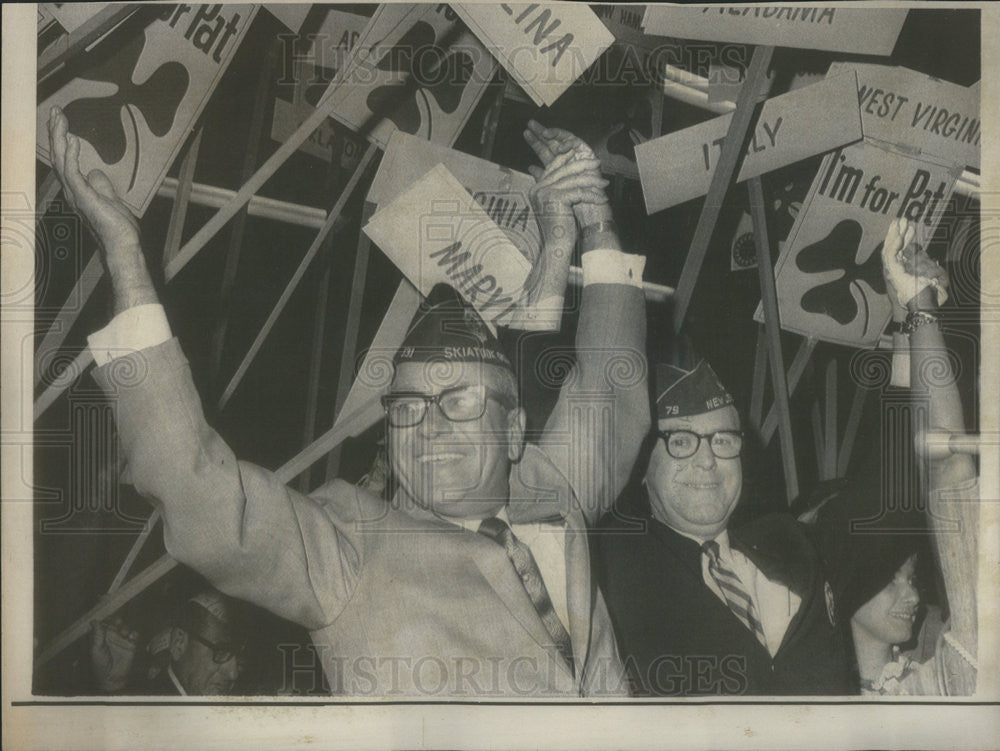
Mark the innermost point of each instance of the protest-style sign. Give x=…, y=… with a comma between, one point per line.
x=292, y=15
x=502, y=192
x=641, y=120
x=436, y=231
x=725, y=81
x=416, y=68
x=679, y=166
x=71, y=16
x=625, y=23
x=916, y=112
x=867, y=31
x=132, y=111
x=544, y=46
x=311, y=76
x=829, y=276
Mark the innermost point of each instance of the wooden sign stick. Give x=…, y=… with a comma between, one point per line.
x=133, y=552
x=178, y=212
x=744, y=117
x=829, y=467
x=851, y=429
x=759, y=379
x=81, y=38
x=795, y=371
x=772, y=325
x=293, y=283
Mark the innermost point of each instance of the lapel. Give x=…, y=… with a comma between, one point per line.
x=579, y=589
x=492, y=561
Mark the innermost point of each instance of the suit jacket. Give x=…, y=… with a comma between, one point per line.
x=398, y=602
x=678, y=638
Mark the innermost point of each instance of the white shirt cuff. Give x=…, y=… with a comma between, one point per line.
x=605, y=266
x=137, y=328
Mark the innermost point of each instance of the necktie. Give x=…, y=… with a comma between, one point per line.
x=736, y=596
x=526, y=568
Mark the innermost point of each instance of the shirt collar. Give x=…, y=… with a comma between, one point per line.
x=472, y=525
x=722, y=539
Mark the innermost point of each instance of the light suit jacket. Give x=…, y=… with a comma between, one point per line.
x=400, y=603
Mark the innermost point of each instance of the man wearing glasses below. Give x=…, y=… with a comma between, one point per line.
x=699, y=608
x=475, y=579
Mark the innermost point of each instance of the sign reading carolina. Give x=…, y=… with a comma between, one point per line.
x=544, y=47
x=870, y=31
x=415, y=68
x=132, y=110
x=909, y=109
x=501, y=192
x=679, y=166
x=436, y=232
x=829, y=275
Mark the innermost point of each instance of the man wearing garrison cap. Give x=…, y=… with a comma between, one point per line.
x=700, y=608
x=474, y=580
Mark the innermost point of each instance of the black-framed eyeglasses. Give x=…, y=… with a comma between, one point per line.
x=222, y=652
x=405, y=409
x=683, y=444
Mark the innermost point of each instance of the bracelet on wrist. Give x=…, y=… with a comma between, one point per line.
x=598, y=228
x=916, y=319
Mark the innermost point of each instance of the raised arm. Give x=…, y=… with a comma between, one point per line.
x=602, y=415
x=235, y=523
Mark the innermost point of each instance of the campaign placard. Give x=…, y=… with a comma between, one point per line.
x=418, y=69
x=133, y=110
x=71, y=16
x=679, y=166
x=502, y=192
x=914, y=111
x=544, y=46
x=829, y=275
x=436, y=232
x=292, y=15
x=866, y=31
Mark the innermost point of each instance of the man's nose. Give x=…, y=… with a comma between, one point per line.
x=703, y=457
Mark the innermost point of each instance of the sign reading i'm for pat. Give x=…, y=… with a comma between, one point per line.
x=914, y=111
x=436, y=232
x=867, y=31
x=133, y=110
x=829, y=276
x=544, y=46
x=679, y=166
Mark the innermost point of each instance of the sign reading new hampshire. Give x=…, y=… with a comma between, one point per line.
x=679, y=166
x=866, y=31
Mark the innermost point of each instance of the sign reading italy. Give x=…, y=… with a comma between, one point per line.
x=679, y=166
x=866, y=31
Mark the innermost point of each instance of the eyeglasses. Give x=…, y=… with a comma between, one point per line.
x=406, y=409
x=222, y=652
x=683, y=444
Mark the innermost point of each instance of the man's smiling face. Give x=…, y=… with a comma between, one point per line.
x=456, y=469
x=696, y=495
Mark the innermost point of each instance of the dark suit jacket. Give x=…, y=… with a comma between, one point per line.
x=678, y=638
x=398, y=602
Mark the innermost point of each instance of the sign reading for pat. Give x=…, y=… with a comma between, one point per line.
x=415, y=68
x=829, y=275
x=436, y=232
x=866, y=31
x=502, y=192
x=679, y=166
x=132, y=110
x=544, y=46
x=909, y=109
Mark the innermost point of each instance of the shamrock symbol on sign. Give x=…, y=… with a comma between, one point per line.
x=448, y=79
x=836, y=252
x=99, y=119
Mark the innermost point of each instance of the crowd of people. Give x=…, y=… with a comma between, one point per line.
x=499, y=567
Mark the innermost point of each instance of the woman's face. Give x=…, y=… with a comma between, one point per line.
x=889, y=615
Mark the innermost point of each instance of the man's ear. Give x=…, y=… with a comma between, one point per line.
x=517, y=421
x=178, y=643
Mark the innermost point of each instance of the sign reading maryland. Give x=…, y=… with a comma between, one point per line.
x=132, y=108
x=866, y=31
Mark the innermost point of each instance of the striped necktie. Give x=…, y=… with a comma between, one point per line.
x=736, y=596
x=526, y=568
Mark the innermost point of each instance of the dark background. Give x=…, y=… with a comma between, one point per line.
x=86, y=522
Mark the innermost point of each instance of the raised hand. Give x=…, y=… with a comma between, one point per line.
x=93, y=197
x=910, y=273
x=112, y=652
x=550, y=144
